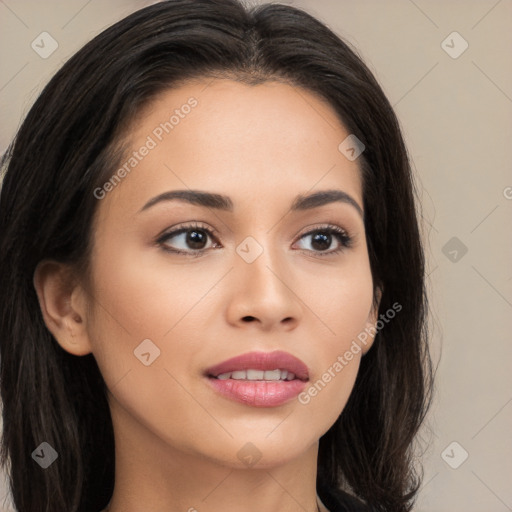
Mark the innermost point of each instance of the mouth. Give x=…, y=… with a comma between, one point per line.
x=259, y=379
x=268, y=366
x=252, y=374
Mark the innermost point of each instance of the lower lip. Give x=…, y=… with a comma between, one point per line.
x=259, y=393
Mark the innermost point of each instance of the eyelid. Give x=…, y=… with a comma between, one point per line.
x=185, y=226
x=323, y=225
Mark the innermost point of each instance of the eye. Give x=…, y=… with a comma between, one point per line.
x=191, y=240
x=323, y=238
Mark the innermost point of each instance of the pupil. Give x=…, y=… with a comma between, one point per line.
x=323, y=240
x=196, y=239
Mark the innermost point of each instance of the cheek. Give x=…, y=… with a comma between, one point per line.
x=142, y=309
x=139, y=296
x=340, y=298
x=342, y=301
x=144, y=294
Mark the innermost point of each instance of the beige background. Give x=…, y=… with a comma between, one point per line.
x=456, y=114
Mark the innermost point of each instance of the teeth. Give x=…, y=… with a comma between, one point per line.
x=257, y=375
x=251, y=375
x=272, y=375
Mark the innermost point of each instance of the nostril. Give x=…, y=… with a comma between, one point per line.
x=248, y=318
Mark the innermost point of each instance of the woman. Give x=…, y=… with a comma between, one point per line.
x=212, y=285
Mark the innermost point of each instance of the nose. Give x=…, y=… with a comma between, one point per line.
x=263, y=295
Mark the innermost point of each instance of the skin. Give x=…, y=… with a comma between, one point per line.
x=176, y=439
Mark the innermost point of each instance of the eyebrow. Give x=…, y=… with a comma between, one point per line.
x=220, y=202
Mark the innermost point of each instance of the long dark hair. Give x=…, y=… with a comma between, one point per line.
x=69, y=144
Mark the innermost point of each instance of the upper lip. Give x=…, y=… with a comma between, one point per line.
x=277, y=360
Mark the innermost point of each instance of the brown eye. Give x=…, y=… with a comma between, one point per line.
x=191, y=240
x=195, y=239
x=322, y=239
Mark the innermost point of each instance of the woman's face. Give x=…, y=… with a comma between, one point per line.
x=254, y=274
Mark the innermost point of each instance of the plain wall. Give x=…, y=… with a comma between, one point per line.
x=456, y=115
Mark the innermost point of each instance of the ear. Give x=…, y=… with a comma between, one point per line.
x=371, y=329
x=63, y=305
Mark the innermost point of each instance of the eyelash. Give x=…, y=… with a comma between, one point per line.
x=344, y=239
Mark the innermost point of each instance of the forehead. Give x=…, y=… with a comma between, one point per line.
x=265, y=142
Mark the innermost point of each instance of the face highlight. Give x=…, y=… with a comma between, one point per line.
x=240, y=230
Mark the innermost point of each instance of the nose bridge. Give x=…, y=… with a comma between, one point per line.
x=262, y=281
x=254, y=257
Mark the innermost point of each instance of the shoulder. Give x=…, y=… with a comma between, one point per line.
x=337, y=500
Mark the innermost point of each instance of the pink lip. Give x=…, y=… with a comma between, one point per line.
x=277, y=360
x=259, y=393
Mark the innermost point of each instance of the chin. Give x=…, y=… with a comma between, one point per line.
x=261, y=450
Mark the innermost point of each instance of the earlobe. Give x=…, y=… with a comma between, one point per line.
x=63, y=306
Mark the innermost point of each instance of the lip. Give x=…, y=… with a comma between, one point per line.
x=260, y=393
x=277, y=360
